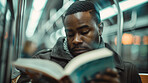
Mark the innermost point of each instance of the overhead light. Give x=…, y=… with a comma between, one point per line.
x=35, y=14
x=107, y=13
x=39, y=4
x=33, y=22
x=124, y=5
x=3, y=2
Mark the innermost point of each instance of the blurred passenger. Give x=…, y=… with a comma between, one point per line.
x=83, y=29
x=28, y=50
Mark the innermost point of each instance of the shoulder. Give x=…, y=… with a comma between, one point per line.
x=131, y=69
x=130, y=66
x=43, y=54
x=47, y=53
x=132, y=72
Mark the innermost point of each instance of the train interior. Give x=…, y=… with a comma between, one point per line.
x=28, y=26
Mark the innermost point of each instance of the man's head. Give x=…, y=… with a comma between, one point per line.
x=82, y=27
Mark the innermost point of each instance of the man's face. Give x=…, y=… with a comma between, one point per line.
x=82, y=33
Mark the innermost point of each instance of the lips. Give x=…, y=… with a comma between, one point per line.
x=79, y=51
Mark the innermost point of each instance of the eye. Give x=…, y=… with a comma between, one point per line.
x=85, y=32
x=70, y=34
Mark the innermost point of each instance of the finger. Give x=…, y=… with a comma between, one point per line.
x=98, y=75
x=110, y=79
x=111, y=72
x=92, y=82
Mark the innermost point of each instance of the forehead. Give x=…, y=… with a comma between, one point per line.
x=78, y=19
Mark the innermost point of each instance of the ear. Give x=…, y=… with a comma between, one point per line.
x=100, y=26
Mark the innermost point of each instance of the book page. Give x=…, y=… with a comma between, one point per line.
x=46, y=67
x=85, y=66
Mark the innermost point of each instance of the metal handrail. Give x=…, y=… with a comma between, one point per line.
x=120, y=29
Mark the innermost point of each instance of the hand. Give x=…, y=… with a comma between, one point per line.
x=109, y=76
x=65, y=79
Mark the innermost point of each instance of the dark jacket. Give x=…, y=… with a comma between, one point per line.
x=127, y=71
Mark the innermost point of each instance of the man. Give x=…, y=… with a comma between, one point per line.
x=83, y=29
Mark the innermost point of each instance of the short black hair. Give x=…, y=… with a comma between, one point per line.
x=83, y=6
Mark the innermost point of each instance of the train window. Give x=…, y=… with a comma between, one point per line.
x=134, y=39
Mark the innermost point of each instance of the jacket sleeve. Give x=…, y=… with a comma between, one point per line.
x=132, y=73
x=43, y=54
x=23, y=78
x=135, y=76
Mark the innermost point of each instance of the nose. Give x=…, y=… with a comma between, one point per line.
x=77, y=39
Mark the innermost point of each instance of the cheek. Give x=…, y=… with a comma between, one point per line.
x=69, y=42
x=91, y=38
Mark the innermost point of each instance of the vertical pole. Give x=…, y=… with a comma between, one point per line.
x=19, y=26
x=8, y=56
x=120, y=29
x=2, y=55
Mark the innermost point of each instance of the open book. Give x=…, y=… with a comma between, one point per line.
x=78, y=70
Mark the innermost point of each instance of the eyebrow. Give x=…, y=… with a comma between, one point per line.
x=84, y=26
x=81, y=27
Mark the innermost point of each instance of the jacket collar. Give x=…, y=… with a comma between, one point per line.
x=58, y=51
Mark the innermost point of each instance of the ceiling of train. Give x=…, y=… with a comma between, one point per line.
x=139, y=11
x=57, y=4
x=50, y=7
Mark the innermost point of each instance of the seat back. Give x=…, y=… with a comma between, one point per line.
x=144, y=77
